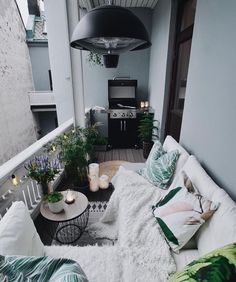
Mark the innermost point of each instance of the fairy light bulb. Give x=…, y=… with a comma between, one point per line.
x=14, y=180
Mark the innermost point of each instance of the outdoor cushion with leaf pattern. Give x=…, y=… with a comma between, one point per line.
x=217, y=266
x=160, y=166
x=181, y=212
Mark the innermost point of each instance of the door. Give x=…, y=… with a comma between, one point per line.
x=122, y=133
x=183, y=41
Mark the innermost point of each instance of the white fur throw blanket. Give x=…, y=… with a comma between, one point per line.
x=141, y=253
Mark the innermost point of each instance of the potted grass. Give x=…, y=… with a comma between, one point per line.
x=148, y=131
x=43, y=170
x=55, y=202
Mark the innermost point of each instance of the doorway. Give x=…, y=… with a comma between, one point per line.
x=182, y=48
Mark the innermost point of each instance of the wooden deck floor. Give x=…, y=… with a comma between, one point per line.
x=129, y=155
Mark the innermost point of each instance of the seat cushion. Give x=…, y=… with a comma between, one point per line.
x=217, y=266
x=171, y=144
x=18, y=235
x=209, y=236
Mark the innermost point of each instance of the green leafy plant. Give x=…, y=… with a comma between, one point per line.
x=76, y=151
x=54, y=197
x=148, y=128
x=42, y=169
x=94, y=59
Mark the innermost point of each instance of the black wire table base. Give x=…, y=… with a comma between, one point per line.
x=68, y=232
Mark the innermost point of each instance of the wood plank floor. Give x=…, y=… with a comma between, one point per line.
x=129, y=155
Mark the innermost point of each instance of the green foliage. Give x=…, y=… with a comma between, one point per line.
x=94, y=59
x=76, y=150
x=148, y=128
x=54, y=197
x=217, y=266
x=42, y=169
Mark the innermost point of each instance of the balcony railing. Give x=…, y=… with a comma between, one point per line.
x=27, y=189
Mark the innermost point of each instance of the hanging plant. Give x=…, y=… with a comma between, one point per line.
x=94, y=59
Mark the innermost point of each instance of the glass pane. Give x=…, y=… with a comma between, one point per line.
x=188, y=14
x=182, y=74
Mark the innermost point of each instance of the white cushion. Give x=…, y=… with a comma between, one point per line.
x=209, y=236
x=18, y=235
x=184, y=258
x=171, y=144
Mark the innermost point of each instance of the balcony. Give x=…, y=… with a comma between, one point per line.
x=27, y=190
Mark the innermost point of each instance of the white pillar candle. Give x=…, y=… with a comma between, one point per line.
x=94, y=169
x=104, y=181
x=93, y=183
x=70, y=198
x=142, y=104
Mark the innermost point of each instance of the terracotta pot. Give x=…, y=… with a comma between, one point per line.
x=147, y=146
x=56, y=207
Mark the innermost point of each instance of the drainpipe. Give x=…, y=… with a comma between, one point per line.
x=73, y=17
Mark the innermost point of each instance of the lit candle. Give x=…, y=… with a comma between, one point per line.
x=14, y=180
x=146, y=104
x=104, y=181
x=93, y=183
x=142, y=104
x=70, y=197
x=93, y=169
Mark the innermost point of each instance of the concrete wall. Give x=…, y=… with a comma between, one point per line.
x=40, y=65
x=159, y=60
x=16, y=121
x=208, y=128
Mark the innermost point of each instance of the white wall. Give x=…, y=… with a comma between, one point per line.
x=158, y=75
x=208, y=128
x=59, y=54
x=23, y=7
x=16, y=120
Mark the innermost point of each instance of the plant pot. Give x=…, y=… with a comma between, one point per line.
x=147, y=146
x=56, y=207
x=45, y=188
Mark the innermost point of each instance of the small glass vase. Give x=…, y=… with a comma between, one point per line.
x=45, y=188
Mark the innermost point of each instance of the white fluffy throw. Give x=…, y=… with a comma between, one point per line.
x=141, y=253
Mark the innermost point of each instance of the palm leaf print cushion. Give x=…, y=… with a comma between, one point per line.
x=217, y=266
x=43, y=269
x=181, y=212
x=160, y=166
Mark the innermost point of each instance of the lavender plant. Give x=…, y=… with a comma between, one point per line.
x=42, y=170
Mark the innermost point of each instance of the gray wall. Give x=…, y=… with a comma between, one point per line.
x=40, y=65
x=16, y=120
x=133, y=64
x=159, y=57
x=208, y=128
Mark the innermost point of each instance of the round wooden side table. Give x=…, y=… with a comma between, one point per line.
x=67, y=226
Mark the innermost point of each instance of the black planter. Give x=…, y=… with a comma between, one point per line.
x=147, y=146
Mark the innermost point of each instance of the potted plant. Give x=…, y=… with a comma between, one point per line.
x=42, y=170
x=76, y=150
x=55, y=202
x=100, y=143
x=147, y=131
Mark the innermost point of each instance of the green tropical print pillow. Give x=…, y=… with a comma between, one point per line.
x=160, y=171
x=217, y=266
x=41, y=269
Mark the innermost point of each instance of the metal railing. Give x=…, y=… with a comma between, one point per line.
x=27, y=190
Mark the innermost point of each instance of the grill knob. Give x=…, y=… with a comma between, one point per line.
x=114, y=115
x=131, y=114
x=123, y=115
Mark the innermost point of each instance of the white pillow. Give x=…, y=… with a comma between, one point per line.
x=18, y=235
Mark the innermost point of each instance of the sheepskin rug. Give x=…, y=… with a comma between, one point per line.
x=141, y=253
